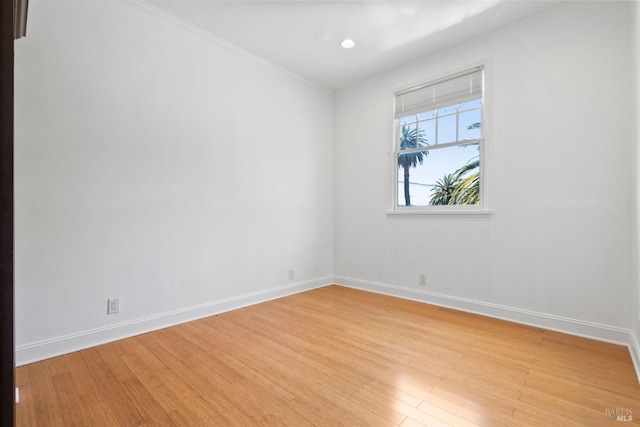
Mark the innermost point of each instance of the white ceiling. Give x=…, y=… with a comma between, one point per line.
x=304, y=36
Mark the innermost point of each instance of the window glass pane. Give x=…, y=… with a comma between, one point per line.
x=428, y=131
x=408, y=119
x=469, y=105
x=446, y=110
x=446, y=129
x=469, y=125
x=427, y=115
x=441, y=178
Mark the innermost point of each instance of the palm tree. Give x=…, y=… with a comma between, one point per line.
x=443, y=190
x=467, y=191
x=410, y=137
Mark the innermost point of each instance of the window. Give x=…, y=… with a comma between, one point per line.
x=439, y=144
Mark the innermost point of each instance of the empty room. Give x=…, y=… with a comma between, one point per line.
x=407, y=213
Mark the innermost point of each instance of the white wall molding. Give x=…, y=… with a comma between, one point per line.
x=34, y=352
x=541, y=320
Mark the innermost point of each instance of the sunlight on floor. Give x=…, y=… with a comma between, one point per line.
x=422, y=406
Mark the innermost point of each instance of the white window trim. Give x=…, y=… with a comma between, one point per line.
x=483, y=209
x=415, y=211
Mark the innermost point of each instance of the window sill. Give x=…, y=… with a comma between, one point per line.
x=448, y=213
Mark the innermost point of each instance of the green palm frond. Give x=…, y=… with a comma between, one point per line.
x=411, y=137
x=474, y=126
x=467, y=191
x=473, y=164
x=443, y=190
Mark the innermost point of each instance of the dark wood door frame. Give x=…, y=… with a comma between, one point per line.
x=7, y=368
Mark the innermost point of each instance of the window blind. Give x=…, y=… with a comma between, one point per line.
x=455, y=89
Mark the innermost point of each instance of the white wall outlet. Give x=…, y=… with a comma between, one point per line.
x=422, y=280
x=17, y=395
x=292, y=274
x=113, y=305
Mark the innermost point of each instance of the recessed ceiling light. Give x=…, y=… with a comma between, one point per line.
x=347, y=43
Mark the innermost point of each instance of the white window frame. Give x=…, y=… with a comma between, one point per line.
x=483, y=208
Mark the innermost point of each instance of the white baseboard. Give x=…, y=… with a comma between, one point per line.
x=541, y=320
x=34, y=352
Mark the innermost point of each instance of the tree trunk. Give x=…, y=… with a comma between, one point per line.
x=407, y=196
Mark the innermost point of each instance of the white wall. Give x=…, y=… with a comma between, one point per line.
x=156, y=165
x=635, y=255
x=558, y=245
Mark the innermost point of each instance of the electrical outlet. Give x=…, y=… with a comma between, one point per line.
x=113, y=305
x=17, y=395
x=292, y=274
x=422, y=280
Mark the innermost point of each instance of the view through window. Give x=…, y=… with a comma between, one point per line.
x=439, y=137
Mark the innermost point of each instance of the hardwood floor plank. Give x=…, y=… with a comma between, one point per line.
x=618, y=383
x=254, y=369
x=93, y=403
x=484, y=410
x=123, y=407
x=111, y=356
x=474, y=365
x=334, y=356
x=582, y=392
x=46, y=405
x=563, y=409
x=25, y=410
x=173, y=393
x=68, y=399
x=472, y=414
x=533, y=416
x=347, y=379
x=410, y=422
x=425, y=418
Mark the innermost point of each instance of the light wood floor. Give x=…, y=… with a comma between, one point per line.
x=335, y=356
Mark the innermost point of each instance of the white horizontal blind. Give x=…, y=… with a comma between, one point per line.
x=455, y=89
